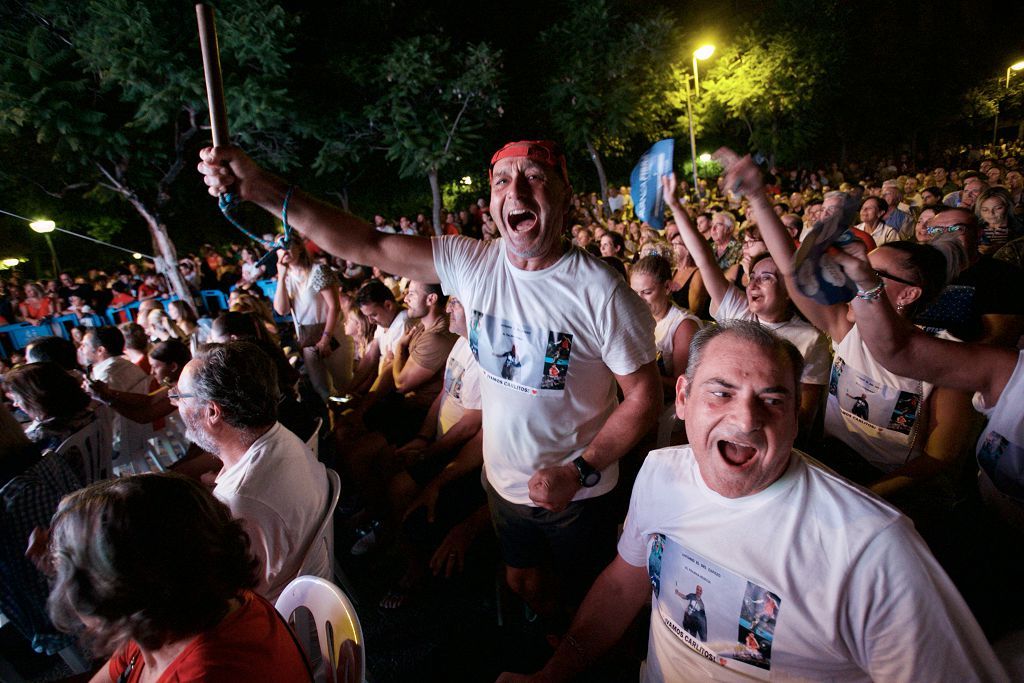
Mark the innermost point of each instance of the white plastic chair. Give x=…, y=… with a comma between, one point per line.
x=93, y=445
x=314, y=441
x=325, y=533
x=336, y=624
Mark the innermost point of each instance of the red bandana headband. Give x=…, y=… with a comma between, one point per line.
x=542, y=151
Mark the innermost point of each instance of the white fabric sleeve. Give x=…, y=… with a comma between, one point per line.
x=633, y=543
x=905, y=621
x=733, y=305
x=453, y=261
x=627, y=331
x=471, y=385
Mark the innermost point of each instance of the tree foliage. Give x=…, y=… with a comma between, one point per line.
x=607, y=78
x=433, y=102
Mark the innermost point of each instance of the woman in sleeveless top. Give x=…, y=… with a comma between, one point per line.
x=651, y=278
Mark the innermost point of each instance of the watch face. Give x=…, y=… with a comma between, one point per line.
x=588, y=475
x=591, y=479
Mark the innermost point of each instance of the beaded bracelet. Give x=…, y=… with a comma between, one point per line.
x=872, y=294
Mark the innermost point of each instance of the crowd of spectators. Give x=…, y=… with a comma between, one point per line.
x=405, y=378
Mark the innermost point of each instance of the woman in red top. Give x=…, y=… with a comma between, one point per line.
x=36, y=307
x=158, y=572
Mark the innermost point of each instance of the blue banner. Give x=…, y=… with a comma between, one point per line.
x=645, y=183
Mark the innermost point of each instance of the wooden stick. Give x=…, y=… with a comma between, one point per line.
x=211, y=70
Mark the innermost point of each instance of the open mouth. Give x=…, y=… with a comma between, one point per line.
x=521, y=220
x=736, y=454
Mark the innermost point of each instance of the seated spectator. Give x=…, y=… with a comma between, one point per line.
x=228, y=396
x=687, y=550
x=378, y=304
x=151, y=287
x=53, y=399
x=78, y=307
x=167, y=360
x=413, y=374
x=122, y=295
x=871, y=212
x=894, y=216
x=168, y=594
x=688, y=289
x=989, y=305
x=997, y=222
x=726, y=248
x=136, y=345
x=674, y=328
x=31, y=486
x=102, y=349
x=36, y=307
x=184, y=317
x=160, y=326
x=613, y=244
x=53, y=349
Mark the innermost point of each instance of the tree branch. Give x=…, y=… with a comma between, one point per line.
x=451, y=133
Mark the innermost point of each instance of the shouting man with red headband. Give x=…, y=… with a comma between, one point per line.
x=555, y=330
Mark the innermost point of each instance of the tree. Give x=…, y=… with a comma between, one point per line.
x=434, y=101
x=608, y=79
x=769, y=82
x=112, y=90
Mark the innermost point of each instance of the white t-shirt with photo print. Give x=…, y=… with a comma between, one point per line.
x=875, y=412
x=461, y=386
x=548, y=343
x=810, y=579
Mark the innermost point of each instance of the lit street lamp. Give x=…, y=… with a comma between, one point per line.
x=701, y=53
x=995, y=124
x=44, y=228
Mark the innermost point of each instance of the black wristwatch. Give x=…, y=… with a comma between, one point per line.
x=589, y=475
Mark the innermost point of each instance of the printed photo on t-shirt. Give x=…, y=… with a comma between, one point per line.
x=453, y=373
x=722, y=616
x=872, y=402
x=1003, y=462
x=518, y=355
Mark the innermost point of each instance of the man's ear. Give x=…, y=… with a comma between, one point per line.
x=214, y=413
x=680, y=396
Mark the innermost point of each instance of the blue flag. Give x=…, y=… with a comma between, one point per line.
x=645, y=183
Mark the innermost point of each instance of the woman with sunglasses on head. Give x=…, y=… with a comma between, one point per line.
x=765, y=300
x=882, y=430
x=995, y=375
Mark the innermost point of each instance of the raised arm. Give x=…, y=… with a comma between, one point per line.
x=228, y=169
x=829, y=319
x=714, y=279
x=905, y=350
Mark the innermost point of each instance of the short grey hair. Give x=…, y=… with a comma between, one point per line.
x=240, y=378
x=748, y=331
x=836, y=194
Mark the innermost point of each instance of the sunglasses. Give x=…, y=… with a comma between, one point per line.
x=942, y=229
x=175, y=395
x=887, y=276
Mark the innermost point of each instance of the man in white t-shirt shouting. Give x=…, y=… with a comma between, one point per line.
x=802, y=575
x=555, y=430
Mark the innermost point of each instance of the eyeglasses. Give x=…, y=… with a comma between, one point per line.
x=887, y=276
x=934, y=230
x=174, y=395
x=764, y=278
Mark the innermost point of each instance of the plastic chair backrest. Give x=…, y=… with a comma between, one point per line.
x=94, y=450
x=314, y=441
x=325, y=533
x=335, y=619
x=214, y=301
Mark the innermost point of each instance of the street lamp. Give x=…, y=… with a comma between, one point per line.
x=11, y=262
x=995, y=123
x=44, y=228
x=701, y=53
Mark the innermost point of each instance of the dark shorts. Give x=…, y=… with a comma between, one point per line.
x=576, y=543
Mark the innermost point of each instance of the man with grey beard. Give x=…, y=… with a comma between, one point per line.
x=227, y=396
